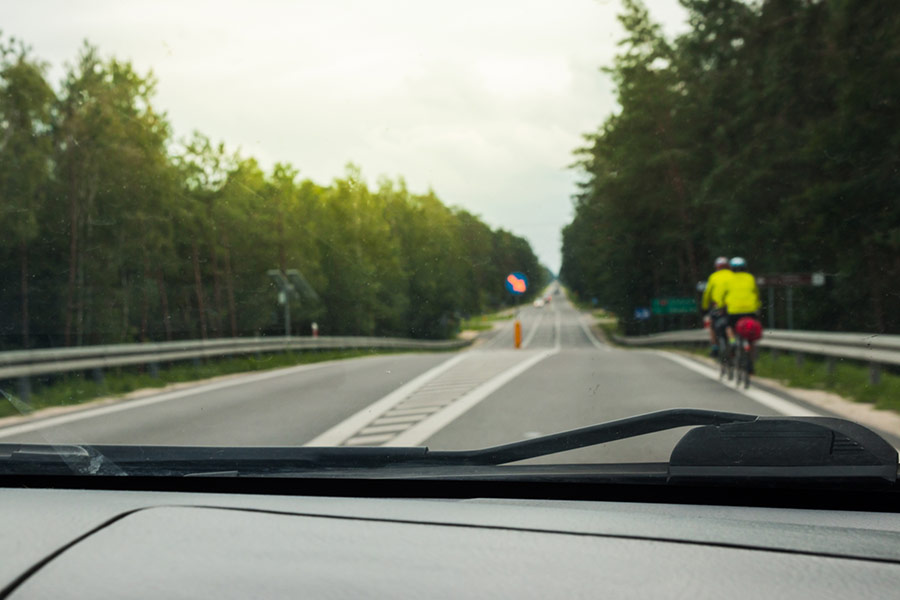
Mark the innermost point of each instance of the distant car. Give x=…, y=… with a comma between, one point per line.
x=538, y=303
x=548, y=299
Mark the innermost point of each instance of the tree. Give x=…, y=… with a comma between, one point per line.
x=25, y=147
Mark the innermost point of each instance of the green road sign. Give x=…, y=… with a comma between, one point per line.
x=673, y=306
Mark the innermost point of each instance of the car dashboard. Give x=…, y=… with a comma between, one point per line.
x=93, y=543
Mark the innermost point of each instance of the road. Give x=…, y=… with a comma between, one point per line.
x=561, y=378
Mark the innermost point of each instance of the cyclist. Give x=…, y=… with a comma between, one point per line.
x=741, y=299
x=711, y=303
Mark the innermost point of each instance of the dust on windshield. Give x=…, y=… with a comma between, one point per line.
x=396, y=224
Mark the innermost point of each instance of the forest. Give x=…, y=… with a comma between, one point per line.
x=768, y=130
x=117, y=231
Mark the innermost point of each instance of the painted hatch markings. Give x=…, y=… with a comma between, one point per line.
x=437, y=394
x=417, y=410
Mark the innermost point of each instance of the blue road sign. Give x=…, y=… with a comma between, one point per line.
x=642, y=314
x=516, y=284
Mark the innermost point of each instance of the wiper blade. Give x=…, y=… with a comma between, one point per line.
x=722, y=446
x=592, y=435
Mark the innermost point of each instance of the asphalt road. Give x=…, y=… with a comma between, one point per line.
x=561, y=378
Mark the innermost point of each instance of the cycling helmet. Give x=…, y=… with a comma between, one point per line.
x=738, y=263
x=721, y=263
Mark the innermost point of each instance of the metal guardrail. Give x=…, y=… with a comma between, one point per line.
x=874, y=349
x=22, y=364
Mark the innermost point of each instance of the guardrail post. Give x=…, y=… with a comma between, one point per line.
x=98, y=375
x=154, y=369
x=830, y=364
x=24, y=388
x=800, y=358
x=874, y=373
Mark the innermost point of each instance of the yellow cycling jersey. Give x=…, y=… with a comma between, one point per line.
x=715, y=288
x=741, y=295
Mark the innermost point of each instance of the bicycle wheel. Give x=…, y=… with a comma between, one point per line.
x=723, y=357
x=748, y=363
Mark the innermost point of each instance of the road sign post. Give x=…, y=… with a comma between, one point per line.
x=789, y=281
x=290, y=284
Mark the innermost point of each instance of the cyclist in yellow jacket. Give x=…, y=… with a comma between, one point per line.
x=741, y=298
x=711, y=303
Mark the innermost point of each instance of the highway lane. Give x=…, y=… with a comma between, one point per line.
x=562, y=378
x=281, y=407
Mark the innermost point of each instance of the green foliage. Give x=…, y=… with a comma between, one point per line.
x=118, y=233
x=848, y=379
x=769, y=130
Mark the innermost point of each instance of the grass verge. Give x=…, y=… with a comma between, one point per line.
x=484, y=322
x=847, y=379
x=77, y=389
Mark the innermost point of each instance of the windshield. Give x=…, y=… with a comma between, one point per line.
x=393, y=224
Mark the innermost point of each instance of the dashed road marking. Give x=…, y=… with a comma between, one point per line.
x=534, y=329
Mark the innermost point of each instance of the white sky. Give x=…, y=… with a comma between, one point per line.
x=483, y=101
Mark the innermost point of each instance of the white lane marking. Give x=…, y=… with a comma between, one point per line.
x=407, y=419
x=90, y=413
x=368, y=440
x=348, y=427
x=533, y=331
x=590, y=335
x=384, y=428
x=558, y=343
x=420, y=432
x=768, y=400
x=411, y=411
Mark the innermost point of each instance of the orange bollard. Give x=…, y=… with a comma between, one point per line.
x=518, y=334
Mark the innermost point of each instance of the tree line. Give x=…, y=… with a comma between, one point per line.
x=114, y=231
x=769, y=130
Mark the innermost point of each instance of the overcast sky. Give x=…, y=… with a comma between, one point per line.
x=482, y=101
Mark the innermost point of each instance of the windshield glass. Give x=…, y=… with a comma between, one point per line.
x=447, y=225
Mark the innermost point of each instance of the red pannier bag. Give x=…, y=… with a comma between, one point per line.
x=749, y=328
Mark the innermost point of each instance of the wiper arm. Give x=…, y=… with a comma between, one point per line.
x=728, y=446
x=590, y=436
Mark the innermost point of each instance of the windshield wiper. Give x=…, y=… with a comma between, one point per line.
x=723, y=445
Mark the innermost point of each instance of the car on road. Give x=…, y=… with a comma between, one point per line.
x=538, y=303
